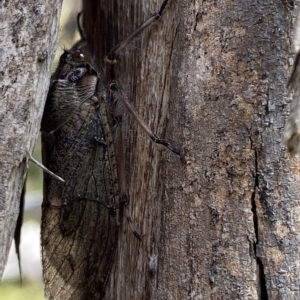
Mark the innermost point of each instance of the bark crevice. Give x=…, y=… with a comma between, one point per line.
x=261, y=274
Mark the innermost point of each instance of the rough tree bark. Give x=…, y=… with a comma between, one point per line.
x=222, y=222
x=29, y=31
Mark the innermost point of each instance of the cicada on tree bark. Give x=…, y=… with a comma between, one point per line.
x=81, y=216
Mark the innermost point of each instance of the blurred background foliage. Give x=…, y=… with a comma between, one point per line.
x=31, y=287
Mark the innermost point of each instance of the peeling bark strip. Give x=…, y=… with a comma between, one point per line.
x=80, y=215
x=27, y=29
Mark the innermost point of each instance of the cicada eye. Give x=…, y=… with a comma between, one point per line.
x=78, y=56
x=65, y=57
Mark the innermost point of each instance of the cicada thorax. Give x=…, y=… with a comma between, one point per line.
x=78, y=215
x=73, y=83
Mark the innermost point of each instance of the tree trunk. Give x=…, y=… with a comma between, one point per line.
x=221, y=221
x=29, y=31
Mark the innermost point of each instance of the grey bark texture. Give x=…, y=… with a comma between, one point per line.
x=28, y=39
x=221, y=221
